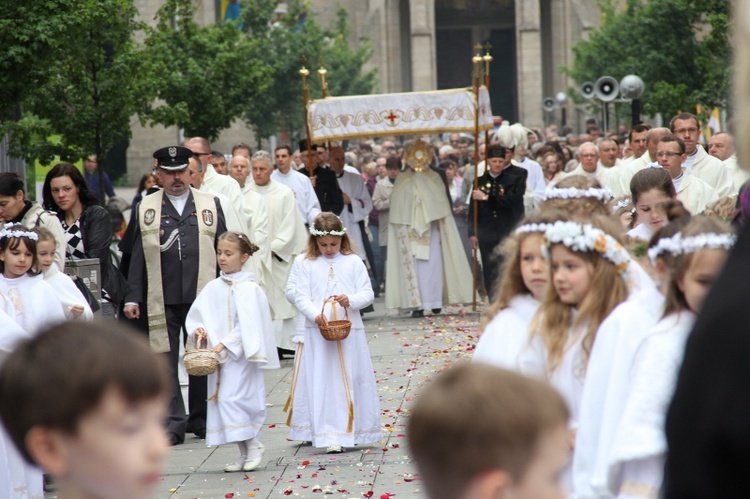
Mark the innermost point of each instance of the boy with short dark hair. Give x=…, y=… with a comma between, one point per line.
x=481, y=432
x=87, y=403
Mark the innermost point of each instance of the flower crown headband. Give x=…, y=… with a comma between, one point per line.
x=584, y=238
x=10, y=230
x=678, y=245
x=526, y=228
x=623, y=203
x=320, y=233
x=601, y=194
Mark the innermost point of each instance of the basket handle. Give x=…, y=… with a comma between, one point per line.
x=197, y=341
x=333, y=308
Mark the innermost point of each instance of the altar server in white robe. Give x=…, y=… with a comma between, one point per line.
x=233, y=315
x=215, y=182
x=626, y=172
x=357, y=201
x=18, y=479
x=695, y=257
x=304, y=193
x=250, y=220
x=74, y=303
x=334, y=396
x=287, y=238
x=721, y=146
x=693, y=192
x=711, y=170
x=588, y=166
x=426, y=265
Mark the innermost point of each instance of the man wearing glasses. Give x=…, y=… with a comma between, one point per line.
x=685, y=126
x=588, y=166
x=694, y=193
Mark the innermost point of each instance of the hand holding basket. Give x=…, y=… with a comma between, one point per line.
x=335, y=330
x=201, y=361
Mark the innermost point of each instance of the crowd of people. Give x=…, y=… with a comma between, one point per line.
x=595, y=255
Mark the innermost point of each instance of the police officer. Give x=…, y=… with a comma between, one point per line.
x=499, y=200
x=324, y=182
x=174, y=256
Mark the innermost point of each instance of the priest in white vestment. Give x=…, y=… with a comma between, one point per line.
x=711, y=170
x=357, y=202
x=693, y=192
x=215, y=182
x=625, y=172
x=286, y=239
x=304, y=193
x=721, y=146
x=588, y=156
x=426, y=266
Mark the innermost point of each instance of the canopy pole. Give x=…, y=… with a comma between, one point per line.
x=304, y=72
x=324, y=86
x=487, y=58
x=477, y=60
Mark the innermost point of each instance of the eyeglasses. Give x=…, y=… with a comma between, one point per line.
x=683, y=131
x=199, y=154
x=667, y=154
x=589, y=156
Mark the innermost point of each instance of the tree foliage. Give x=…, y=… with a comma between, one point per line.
x=85, y=90
x=285, y=41
x=680, y=48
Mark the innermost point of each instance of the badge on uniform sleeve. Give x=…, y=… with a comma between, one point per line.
x=208, y=217
x=149, y=216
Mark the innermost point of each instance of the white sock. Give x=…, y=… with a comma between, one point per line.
x=254, y=448
x=243, y=449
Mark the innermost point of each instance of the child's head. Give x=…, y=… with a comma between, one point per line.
x=622, y=211
x=650, y=188
x=233, y=250
x=694, y=256
x=478, y=431
x=46, y=246
x=588, y=265
x=328, y=237
x=578, y=195
x=18, y=251
x=678, y=217
x=525, y=269
x=87, y=403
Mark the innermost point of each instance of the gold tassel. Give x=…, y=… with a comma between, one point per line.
x=215, y=396
x=288, y=402
x=289, y=418
x=349, y=427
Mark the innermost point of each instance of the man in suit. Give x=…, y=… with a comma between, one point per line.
x=323, y=180
x=174, y=256
x=499, y=197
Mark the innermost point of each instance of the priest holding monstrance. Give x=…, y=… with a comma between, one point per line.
x=427, y=265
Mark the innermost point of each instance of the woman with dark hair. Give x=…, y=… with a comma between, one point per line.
x=148, y=180
x=87, y=226
x=15, y=208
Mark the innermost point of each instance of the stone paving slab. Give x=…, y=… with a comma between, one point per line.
x=406, y=354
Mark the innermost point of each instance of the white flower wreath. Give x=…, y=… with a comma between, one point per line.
x=526, y=228
x=623, y=203
x=320, y=233
x=584, y=238
x=10, y=230
x=601, y=194
x=678, y=245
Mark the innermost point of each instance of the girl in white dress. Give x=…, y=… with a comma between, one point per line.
x=334, y=396
x=695, y=257
x=233, y=316
x=34, y=303
x=588, y=280
x=73, y=301
x=525, y=276
x=650, y=189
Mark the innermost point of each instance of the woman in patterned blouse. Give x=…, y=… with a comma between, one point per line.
x=88, y=228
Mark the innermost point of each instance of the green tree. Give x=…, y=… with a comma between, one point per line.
x=89, y=88
x=285, y=41
x=210, y=74
x=680, y=48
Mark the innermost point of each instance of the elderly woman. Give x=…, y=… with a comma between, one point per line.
x=87, y=226
x=15, y=208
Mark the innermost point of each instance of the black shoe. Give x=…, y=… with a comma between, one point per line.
x=284, y=351
x=200, y=433
x=175, y=439
x=417, y=313
x=436, y=310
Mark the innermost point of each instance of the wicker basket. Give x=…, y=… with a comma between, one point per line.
x=201, y=361
x=335, y=330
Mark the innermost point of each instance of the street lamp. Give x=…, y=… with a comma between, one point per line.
x=632, y=87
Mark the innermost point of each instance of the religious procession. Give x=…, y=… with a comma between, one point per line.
x=428, y=293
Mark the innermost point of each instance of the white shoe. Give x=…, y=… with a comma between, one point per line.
x=234, y=467
x=334, y=449
x=254, y=457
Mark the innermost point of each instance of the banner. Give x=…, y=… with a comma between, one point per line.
x=412, y=113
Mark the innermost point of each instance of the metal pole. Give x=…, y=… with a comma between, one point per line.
x=305, y=97
x=635, y=109
x=487, y=58
x=323, y=84
x=477, y=60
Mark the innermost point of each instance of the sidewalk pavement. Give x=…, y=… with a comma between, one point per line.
x=406, y=353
